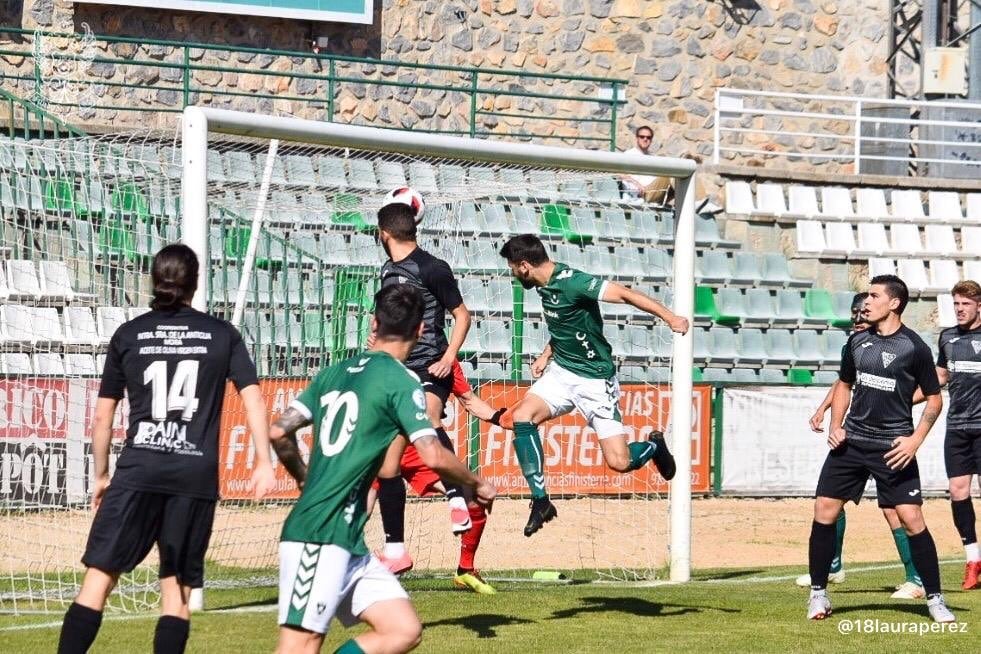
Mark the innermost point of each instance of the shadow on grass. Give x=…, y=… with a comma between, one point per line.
x=269, y=601
x=633, y=606
x=728, y=574
x=918, y=609
x=484, y=625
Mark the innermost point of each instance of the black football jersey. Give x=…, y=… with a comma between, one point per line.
x=960, y=354
x=173, y=365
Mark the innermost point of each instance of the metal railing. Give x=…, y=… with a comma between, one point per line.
x=26, y=120
x=849, y=134
x=164, y=77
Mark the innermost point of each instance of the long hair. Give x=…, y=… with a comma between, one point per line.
x=175, y=277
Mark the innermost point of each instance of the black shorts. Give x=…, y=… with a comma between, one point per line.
x=847, y=470
x=962, y=452
x=441, y=387
x=129, y=522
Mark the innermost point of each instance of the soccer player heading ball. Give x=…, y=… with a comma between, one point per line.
x=358, y=408
x=576, y=370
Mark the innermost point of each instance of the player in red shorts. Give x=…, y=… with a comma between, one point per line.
x=425, y=483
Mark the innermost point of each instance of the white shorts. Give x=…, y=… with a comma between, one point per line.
x=598, y=400
x=318, y=582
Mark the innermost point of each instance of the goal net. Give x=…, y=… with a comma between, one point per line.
x=289, y=234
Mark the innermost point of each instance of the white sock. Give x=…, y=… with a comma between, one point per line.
x=819, y=593
x=973, y=552
x=393, y=550
x=458, y=503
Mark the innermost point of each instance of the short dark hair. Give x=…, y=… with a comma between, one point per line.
x=858, y=300
x=398, y=310
x=399, y=220
x=174, y=274
x=895, y=288
x=647, y=127
x=525, y=247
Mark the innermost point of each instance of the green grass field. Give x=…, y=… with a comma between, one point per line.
x=723, y=610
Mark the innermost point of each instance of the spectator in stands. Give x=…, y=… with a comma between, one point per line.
x=650, y=188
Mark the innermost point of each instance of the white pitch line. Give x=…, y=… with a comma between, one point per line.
x=868, y=568
x=53, y=624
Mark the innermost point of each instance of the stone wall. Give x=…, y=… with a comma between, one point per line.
x=675, y=53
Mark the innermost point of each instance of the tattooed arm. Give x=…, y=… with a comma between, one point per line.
x=904, y=448
x=282, y=434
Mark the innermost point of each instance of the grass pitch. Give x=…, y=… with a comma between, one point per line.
x=748, y=610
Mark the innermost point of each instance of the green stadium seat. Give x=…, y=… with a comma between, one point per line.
x=59, y=197
x=128, y=199
x=818, y=304
x=116, y=241
x=707, y=311
x=347, y=212
x=696, y=375
x=800, y=377
x=557, y=220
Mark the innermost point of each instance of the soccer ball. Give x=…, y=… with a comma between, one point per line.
x=410, y=197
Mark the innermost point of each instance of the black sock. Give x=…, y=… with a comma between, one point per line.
x=963, y=511
x=452, y=490
x=391, y=503
x=820, y=553
x=924, y=552
x=79, y=629
x=171, y=635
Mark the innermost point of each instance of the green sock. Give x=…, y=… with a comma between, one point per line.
x=902, y=546
x=528, y=447
x=839, y=542
x=640, y=453
x=349, y=647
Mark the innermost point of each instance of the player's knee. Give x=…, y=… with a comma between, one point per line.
x=960, y=488
x=826, y=510
x=618, y=462
x=911, y=516
x=405, y=637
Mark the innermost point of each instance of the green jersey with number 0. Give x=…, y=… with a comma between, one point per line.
x=575, y=324
x=357, y=408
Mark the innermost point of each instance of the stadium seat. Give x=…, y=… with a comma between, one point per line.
x=541, y=183
x=972, y=270
x=17, y=364
x=759, y=309
x=824, y=377
x=746, y=269
x=906, y=205
x=946, y=316
x=56, y=282
x=715, y=376
x=702, y=346
x=712, y=267
x=108, y=319
x=660, y=342
x=77, y=364
x=558, y=220
x=494, y=336
x=730, y=302
x=92, y=198
x=330, y=172
x=971, y=239
x=361, y=175
x=803, y=202
x=493, y=219
x=660, y=265
x=834, y=340
x=752, y=349
x=646, y=226
x=739, y=198
x=810, y=237
x=943, y=274
x=290, y=289
x=489, y=371
x=573, y=190
x=807, y=345
x=945, y=206
x=390, y=174
x=31, y=327
x=707, y=310
x=743, y=376
x=661, y=375
x=800, y=377
x=534, y=337
x=779, y=348
x=48, y=364
x=842, y=301
x=422, y=177
x=725, y=347
x=481, y=177
x=451, y=178
x=772, y=376
x=836, y=203
x=770, y=200
x=776, y=272
x=940, y=240
x=606, y=190
x=871, y=204
x=872, y=239
x=790, y=310
x=631, y=373
x=525, y=219
x=612, y=224
x=60, y=198
x=299, y=170
x=905, y=239
x=80, y=327
x=474, y=294
x=135, y=312
x=913, y=272
x=533, y=303
x=879, y=266
x=930, y=338
x=840, y=238
x=819, y=306
x=216, y=168
x=974, y=207
x=707, y=233
x=239, y=167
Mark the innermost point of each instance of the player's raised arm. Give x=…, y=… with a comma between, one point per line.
x=283, y=437
x=618, y=294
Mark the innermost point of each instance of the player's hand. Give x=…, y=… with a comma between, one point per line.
x=817, y=422
x=263, y=481
x=485, y=494
x=678, y=325
x=99, y=488
x=538, y=366
x=441, y=368
x=837, y=437
x=902, y=453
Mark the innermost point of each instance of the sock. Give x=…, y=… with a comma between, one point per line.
x=349, y=647
x=393, y=550
x=453, y=491
x=528, y=447
x=820, y=551
x=963, y=511
x=391, y=504
x=171, y=635
x=470, y=540
x=79, y=629
x=972, y=553
x=839, y=542
x=640, y=453
x=902, y=546
x=458, y=503
x=924, y=552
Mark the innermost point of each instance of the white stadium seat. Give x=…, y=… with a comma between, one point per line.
x=945, y=311
x=810, y=236
x=803, y=201
x=871, y=203
x=836, y=202
x=940, y=240
x=907, y=205
x=770, y=199
x=913, y=272
x=872, y=238
x=905, y=239
x=945, y=206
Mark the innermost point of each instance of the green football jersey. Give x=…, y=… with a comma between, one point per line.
x=570, y=302
x=357, y=408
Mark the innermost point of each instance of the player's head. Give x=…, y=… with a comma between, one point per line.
x=398, y=313
x=859, y=321
x=175, y=277
x=524, y=253
x=967, y=303
x=888, y=294
x=396, y=221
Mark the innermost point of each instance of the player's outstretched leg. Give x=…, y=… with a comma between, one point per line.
x=836, y=573
x=467, y=575
x=662, y=456
x=528, y=447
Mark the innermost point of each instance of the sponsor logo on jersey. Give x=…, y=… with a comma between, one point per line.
x=550, y=314
x=887, y=358
x=876, y=382
x=165, y=435
x=973, y=367
x=360, y=367
x=977, y=346
x=866, y=345
x=593, y=284
x=419, y=398
x=565, y=274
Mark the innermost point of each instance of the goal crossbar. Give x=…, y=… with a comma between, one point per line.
x=199, y=122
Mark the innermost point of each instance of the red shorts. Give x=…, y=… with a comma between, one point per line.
x=419, y=477
x=460, y=384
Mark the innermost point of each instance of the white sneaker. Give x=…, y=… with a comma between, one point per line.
x=819, y=606
x=804, y=581
x=909, y=590
x=939, y=611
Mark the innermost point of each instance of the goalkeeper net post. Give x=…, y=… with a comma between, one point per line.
x=200, y=123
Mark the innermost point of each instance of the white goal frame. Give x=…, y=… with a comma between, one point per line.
x=199, y=122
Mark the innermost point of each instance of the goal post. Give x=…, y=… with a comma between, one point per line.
x=201, y=124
